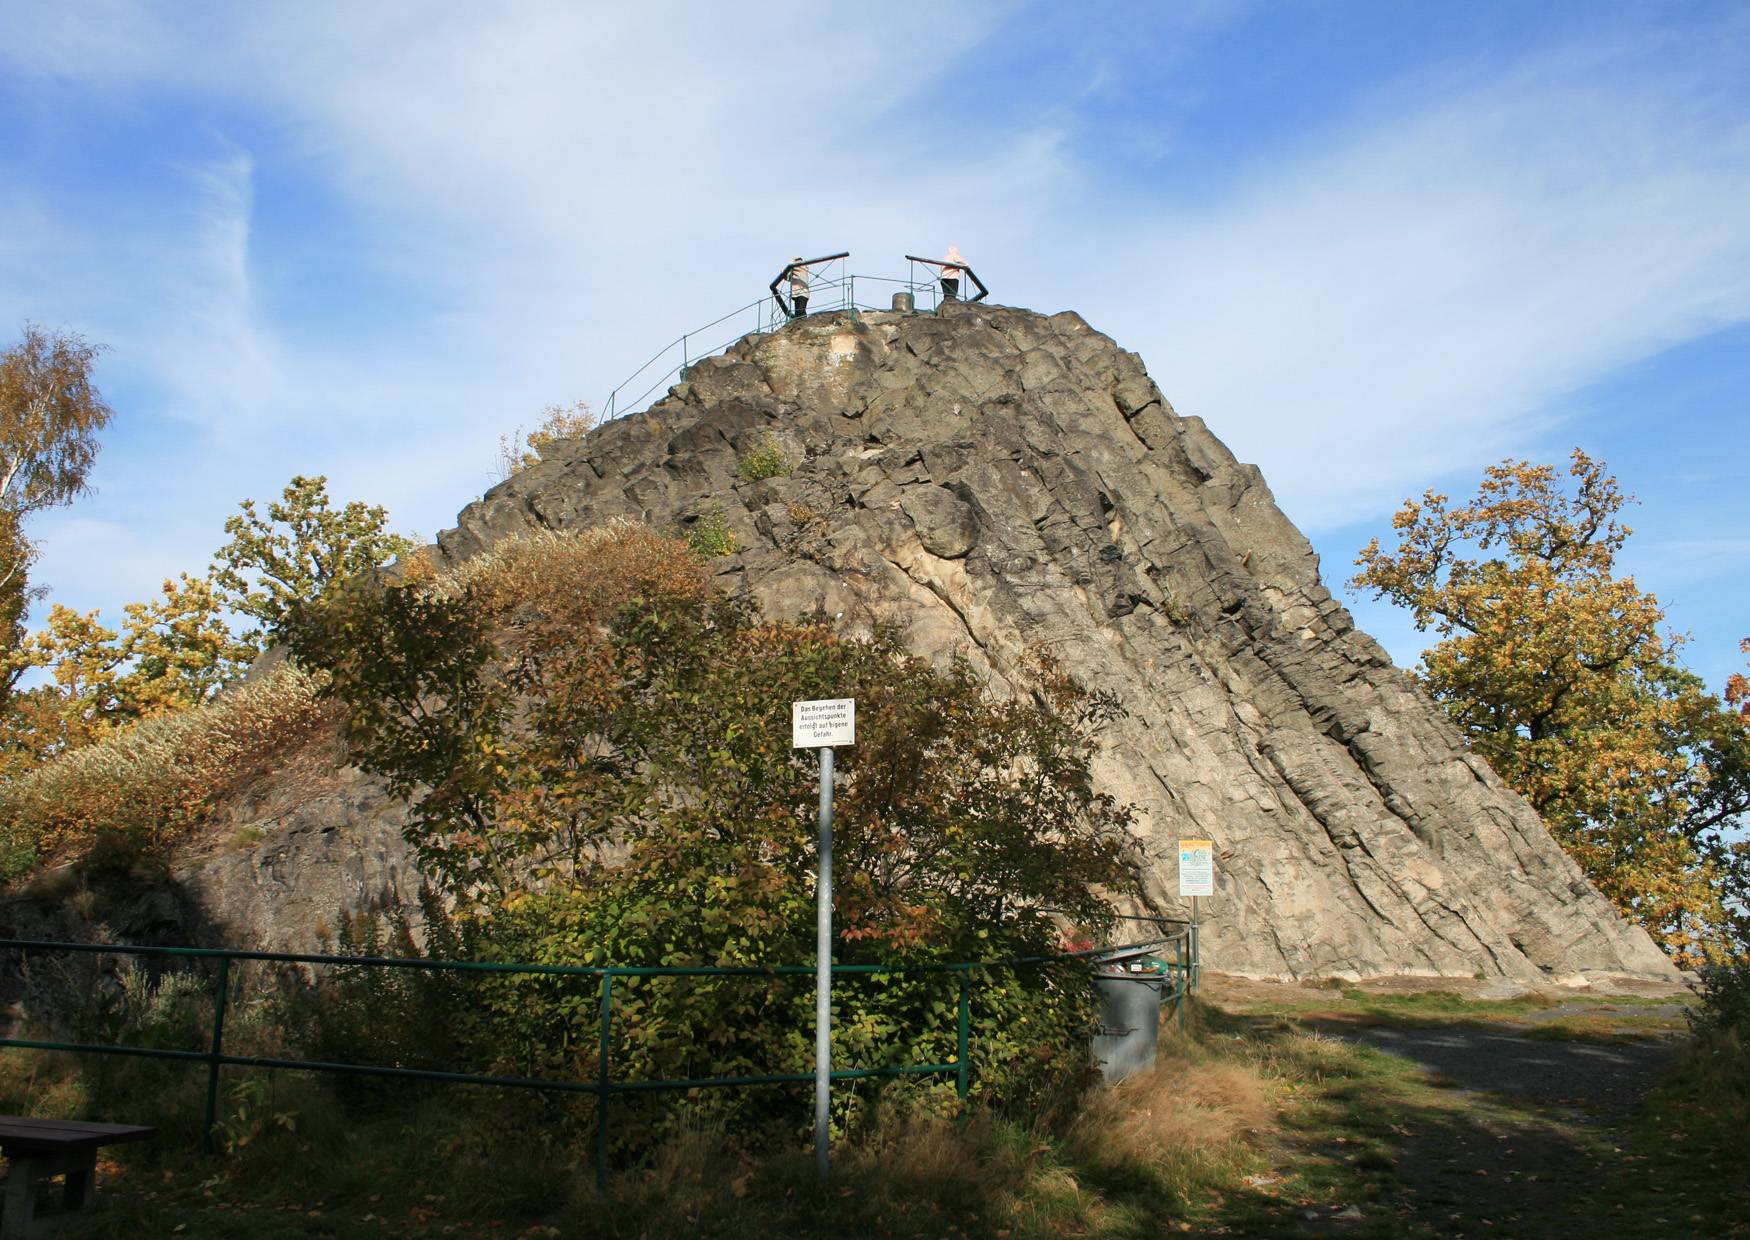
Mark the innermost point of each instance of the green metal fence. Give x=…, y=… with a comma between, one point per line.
x=1182, y=966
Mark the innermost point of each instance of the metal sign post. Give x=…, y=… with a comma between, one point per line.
x=1196, y=880
x=823, y=972
x=821, y=725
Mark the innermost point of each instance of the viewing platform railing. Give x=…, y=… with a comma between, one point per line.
x=831, y=289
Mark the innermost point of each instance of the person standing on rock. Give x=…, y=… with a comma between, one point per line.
x=798, y=288
x=953, y=268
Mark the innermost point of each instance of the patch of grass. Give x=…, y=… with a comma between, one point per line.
x=766, y=459
x=1602, y=1027
x=424, y=1161
x=1679, y=1169
x=1579, y=1017
x=1441, y=1005
x=710, y=536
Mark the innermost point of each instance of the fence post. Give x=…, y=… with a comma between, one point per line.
x=601, y=1090
x=963, y=1081
x=218, y=1049
x=1184, y=984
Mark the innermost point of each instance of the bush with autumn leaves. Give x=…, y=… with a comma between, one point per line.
x=595, y=745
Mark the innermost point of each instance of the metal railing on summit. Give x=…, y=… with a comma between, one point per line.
x=832, y=289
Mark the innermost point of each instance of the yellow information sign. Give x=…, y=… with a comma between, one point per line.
x=1196, y=867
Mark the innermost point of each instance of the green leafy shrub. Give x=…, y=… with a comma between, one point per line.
x=766, y=459
x=600, y=772
x=1705, y=1097
x=1725, y=999
x=387, y=1017
x=710, y=535
x=17, y=857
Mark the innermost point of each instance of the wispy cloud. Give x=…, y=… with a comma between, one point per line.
x=210, y=344
x=1410, y=296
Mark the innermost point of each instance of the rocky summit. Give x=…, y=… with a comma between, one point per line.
x=997, y=483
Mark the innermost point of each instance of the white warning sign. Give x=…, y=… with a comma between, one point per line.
x=815, y=725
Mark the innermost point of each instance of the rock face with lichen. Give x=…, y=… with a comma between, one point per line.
x=997, y=482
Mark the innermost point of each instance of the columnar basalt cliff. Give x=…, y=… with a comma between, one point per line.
x=997, y=482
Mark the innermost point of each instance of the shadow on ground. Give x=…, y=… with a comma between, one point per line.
x=1463, y=1130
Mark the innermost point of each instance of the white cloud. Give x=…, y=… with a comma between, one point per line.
x=534, y=196
x=1410, y=297
x=207, y=339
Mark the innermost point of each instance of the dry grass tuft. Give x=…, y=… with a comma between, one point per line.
x=576, y=572
x=159, y=777
x=936, y=1154
x=1183, y=1103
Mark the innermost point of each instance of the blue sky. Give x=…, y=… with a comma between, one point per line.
x=1375, y=246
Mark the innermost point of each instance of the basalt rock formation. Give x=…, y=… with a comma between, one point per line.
x=997, y=482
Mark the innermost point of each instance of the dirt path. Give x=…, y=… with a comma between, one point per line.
x=1548, y=1119
x=1482, y=1115
x=1585, y=1074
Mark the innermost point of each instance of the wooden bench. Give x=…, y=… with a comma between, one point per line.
x=37, y=1150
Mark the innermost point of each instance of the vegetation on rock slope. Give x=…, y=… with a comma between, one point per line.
x=595, y=745
x=129, y=738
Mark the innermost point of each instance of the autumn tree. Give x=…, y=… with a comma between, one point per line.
x=176, y=651
x=50, y=415
x=517, y=450
x=294, y=553
x=1738, y=686
x=1558, y=672
x=172, y=653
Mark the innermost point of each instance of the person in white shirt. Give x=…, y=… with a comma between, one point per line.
x=953, y=270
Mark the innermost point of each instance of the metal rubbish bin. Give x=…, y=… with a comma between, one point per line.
x=1130, y=988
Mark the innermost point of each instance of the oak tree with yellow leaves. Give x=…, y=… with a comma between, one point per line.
x=1738, y=687
x=1558, y=672
x=302, y=546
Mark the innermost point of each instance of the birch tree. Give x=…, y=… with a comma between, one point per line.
x=50, y=416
